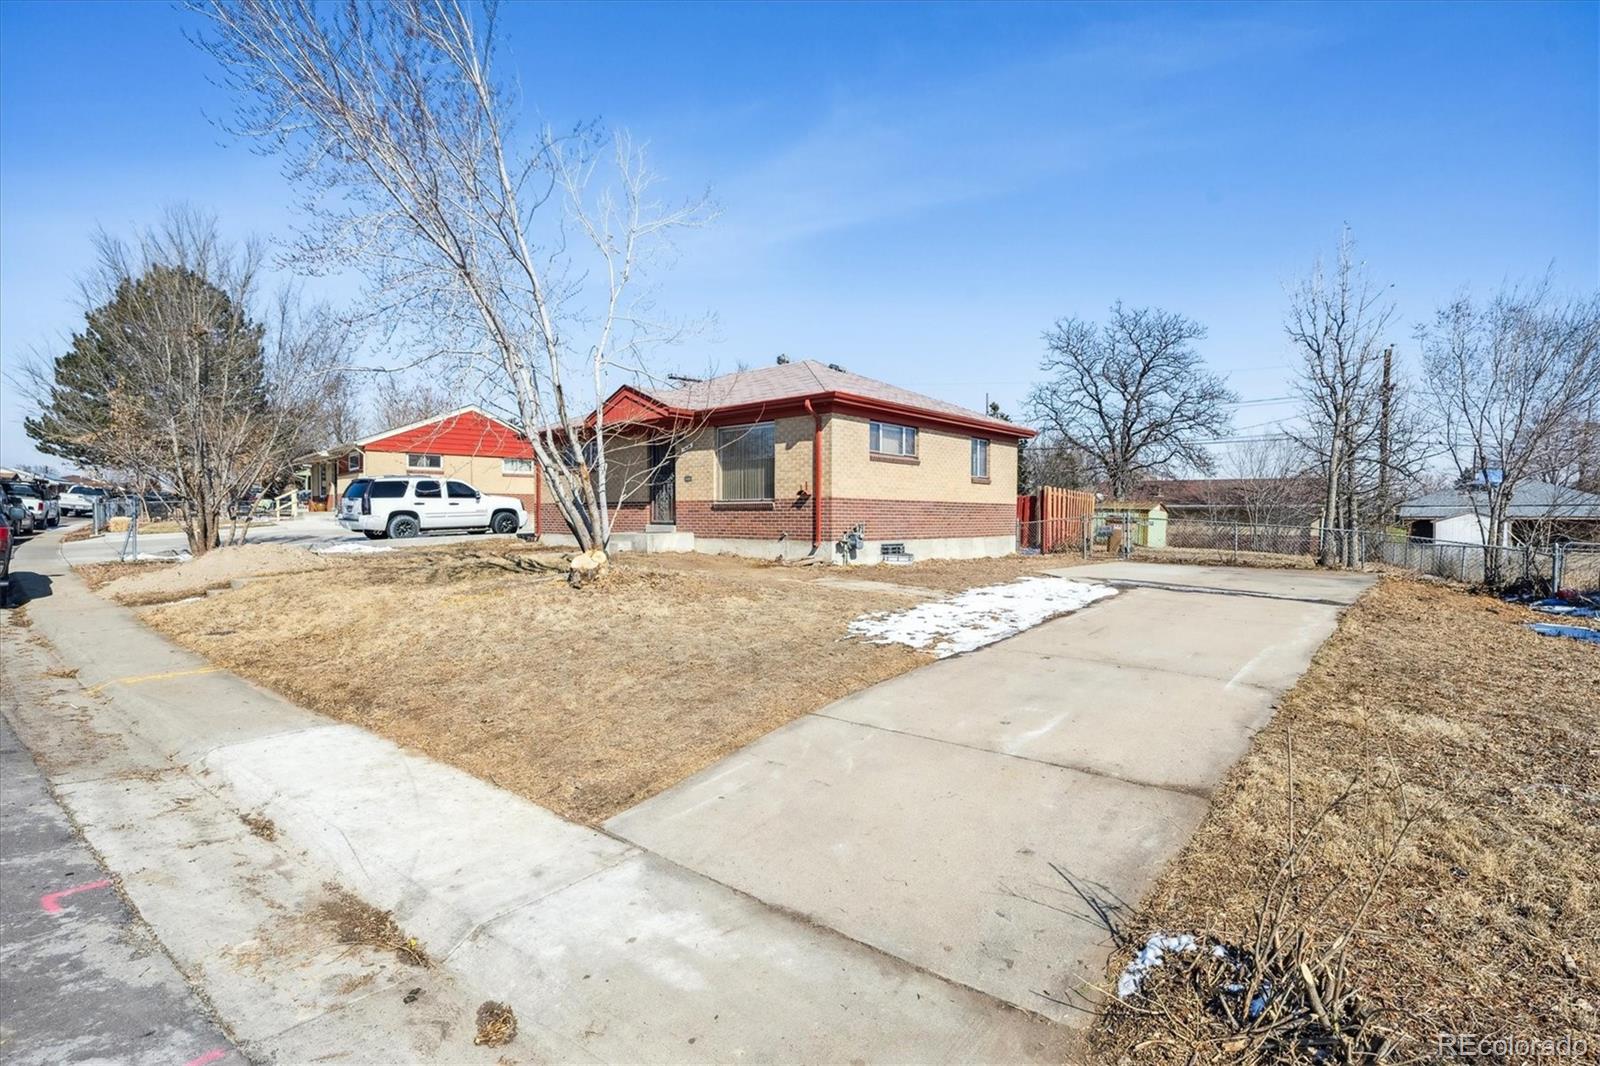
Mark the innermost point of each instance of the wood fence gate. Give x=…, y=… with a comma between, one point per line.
x=1053, y=519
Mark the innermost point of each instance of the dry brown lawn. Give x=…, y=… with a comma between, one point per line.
x=98, y=575
x=584, y=702
x=1445, y=706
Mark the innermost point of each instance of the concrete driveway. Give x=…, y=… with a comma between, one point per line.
x=976, y=816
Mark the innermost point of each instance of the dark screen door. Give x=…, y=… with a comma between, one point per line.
x=663, y=485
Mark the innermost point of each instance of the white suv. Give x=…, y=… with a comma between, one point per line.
x=406, y=506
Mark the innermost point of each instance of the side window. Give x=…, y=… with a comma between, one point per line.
x=885, y=438
x=980, y=457
x=460, y=490
x=427, y=490
x=387, y=490
x=424, y=461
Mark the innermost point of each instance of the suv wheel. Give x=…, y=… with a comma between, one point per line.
x=403, y=525
x=503, y=522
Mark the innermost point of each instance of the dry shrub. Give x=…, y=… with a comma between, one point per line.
x=1487, y=917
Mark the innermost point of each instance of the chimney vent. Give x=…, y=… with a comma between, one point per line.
x=836, y=366
x=783, y=360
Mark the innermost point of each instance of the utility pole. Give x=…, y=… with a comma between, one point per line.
x=1385, y=410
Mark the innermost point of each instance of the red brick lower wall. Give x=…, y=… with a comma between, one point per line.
x=625, y=518
x=919, y=519
x=885, y=519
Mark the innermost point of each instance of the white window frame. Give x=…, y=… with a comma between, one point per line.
x=509, y=470
x=436, y=466
x=875, y=441
x=353, y=462
x=980, y=458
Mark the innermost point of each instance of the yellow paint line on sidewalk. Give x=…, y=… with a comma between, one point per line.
x=139, y=679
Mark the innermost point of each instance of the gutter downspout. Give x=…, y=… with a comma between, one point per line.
x=816, y=477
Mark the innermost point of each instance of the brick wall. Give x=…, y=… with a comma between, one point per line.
x=885, y=519
x=916, y=519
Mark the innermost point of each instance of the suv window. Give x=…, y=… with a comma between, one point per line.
x=387, y=490
x=358, y=488
x=84, y=490
x=427, y=490
x=460, y=490
x=22, y=490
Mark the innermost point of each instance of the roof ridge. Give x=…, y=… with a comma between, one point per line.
x=811, y=368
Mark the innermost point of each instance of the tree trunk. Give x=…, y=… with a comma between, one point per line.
x=1330, y=499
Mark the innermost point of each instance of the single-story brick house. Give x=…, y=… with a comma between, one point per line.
x=805, y=458
x=794, y=460
x=468, y=444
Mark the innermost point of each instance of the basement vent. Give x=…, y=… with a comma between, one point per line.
x=895, y=553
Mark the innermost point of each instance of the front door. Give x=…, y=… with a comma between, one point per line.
x=663, y=485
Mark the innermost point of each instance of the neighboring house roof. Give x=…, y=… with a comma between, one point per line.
x=774, y=389
x=1531, y=499
x=464, y=431
x=467, y=431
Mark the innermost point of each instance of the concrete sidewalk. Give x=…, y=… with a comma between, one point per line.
x=606, y=951
x=963, y=816
x=81, y=977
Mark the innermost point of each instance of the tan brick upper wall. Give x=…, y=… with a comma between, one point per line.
x=942, y=471
x=698, y=471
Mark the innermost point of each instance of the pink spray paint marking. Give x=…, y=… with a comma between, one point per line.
x=209, y=1057
x=51, y=901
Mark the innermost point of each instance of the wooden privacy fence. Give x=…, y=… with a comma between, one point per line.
x=1053, y=519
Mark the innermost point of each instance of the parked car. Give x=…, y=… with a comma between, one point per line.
x=80, y=499
x=8, y=543
x=17, y=513
x=45, y=507
x=406, y=506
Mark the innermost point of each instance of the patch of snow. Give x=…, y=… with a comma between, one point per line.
x=176, y=556
x=1149, y=958
x=979, y=616
x=347, y=548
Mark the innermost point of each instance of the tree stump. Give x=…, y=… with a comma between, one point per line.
x=586, y=568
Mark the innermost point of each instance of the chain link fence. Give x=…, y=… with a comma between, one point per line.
x=1544, y=570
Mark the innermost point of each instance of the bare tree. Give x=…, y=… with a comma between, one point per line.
x=1133, y=396
x=400, y=401
x=402, y=128
x=1338, y=324
x=1267, y=483
x=1515, y=383
x=339, y=415
x=175, y=385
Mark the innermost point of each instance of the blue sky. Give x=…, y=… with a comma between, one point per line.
x=917, y=192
